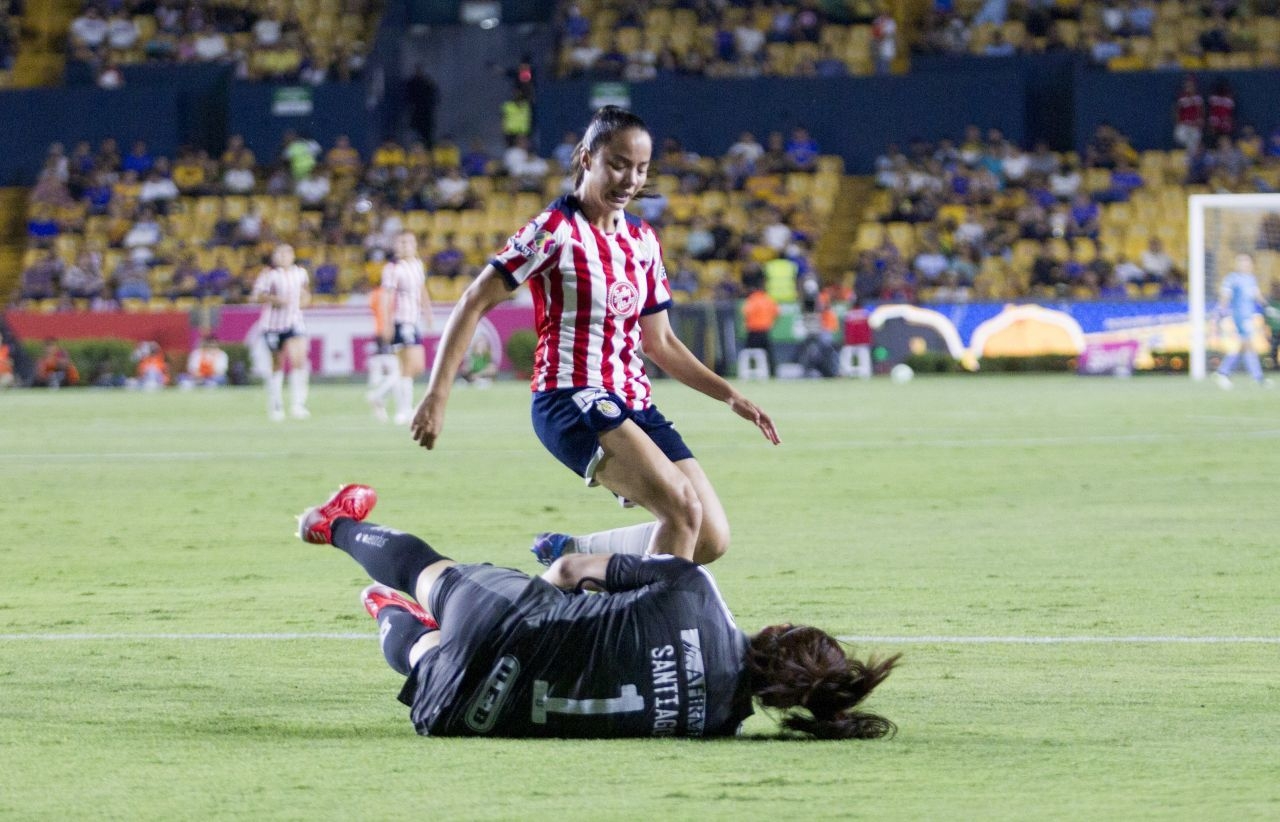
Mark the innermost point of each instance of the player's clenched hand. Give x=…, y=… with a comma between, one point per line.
x=427, y=421
x=751, y=412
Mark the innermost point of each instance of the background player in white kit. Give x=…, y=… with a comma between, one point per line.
x=283, y=288
x=406, y=304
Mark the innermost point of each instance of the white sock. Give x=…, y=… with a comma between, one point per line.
x=275, y=391
x=386, y=376
x=298, y=382
x=631, y=539
x=404, y=395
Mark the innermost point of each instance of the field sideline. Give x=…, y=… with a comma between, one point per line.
x=1082, y=574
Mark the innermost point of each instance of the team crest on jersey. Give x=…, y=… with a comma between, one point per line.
x=622, y=299
x=608, y=408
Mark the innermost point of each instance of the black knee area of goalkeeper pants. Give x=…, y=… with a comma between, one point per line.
x=398, y=632
x=391, y=557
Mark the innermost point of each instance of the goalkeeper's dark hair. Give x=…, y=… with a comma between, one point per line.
x=605, y=123
x=808, y=674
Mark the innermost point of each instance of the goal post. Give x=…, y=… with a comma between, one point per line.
x=1219, y=226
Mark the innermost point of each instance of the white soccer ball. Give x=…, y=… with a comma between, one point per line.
x=901, y=373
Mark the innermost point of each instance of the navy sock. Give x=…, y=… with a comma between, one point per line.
x=391, y=557
x=398, y=632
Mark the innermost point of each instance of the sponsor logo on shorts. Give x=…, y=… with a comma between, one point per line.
x=482, y=715
x=608, y=408
x=623, y=298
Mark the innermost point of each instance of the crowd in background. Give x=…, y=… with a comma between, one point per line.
x=983, y=197
x=637, y=41
x=109, y=223
x=308, y=41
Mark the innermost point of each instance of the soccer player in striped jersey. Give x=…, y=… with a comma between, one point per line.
x=405, y=302
x=283, y=288
x=600, y=292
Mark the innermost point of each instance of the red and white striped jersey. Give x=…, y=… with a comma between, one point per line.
x=287, y=283
x=590, y=290
x=405, y=280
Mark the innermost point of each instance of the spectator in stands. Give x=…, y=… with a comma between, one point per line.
x=1229, y=161
x=300, y=153
x=250, y=228
x=139, y=160
x=1085, y=216
x=239, y=177
x=884, y=42
x=88, y=33
x=40, y=279
x=122, y=32
x=51, y=190
x=215, y=281
x=1046, y=273
x=145, y=234
x=324, y=280
x=131, y=278
x=1126, y=271
x=1066, y=181
x=449, y=261
x=312, y=191
x=1222, y=109
x=83, y=280
x=453, y=191
x=525, y=169
x=185, y=279
x=237, y=153
x=999, y=46
x=1214, y=36
x=930, y=264
x=1157, y=264
x=1188, y=115
x=342, y=162
x=55, y=369
x=802, y=151
x=190, y=172
x=158, y=191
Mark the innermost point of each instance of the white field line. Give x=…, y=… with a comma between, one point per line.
x=895, y=443
x=885, y=640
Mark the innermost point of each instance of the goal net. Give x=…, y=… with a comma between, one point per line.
x=1220, y=226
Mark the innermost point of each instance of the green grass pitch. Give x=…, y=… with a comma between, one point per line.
x=956, y=519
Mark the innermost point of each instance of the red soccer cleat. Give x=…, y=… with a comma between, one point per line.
x=378, y=596
x=354, y=501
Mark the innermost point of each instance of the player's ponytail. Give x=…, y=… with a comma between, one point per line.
x=808, y=674
x=605, y=123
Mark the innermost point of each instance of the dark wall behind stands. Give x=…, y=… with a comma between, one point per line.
x=171, y=106
x=853, y=117
x=1057, y=98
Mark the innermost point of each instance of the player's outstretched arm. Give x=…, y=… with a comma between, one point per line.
x=481, y=296
x=671, y=355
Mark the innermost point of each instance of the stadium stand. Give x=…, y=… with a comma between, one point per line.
x=308, y=40
x=183, y=229
x=981, y=217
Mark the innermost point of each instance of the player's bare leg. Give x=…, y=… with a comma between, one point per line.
x=635, y=468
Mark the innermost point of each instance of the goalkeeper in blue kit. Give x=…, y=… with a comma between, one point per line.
x=1240, y=296
x=492, y=651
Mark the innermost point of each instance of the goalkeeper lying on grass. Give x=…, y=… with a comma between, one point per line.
x=494, y=651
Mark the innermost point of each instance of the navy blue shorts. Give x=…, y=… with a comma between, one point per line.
x=405, y=334
x=275, y=340
x=569, y=421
